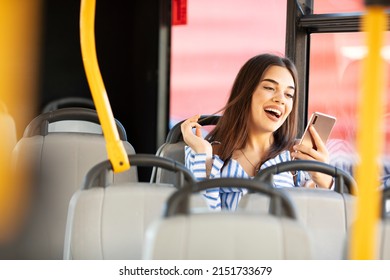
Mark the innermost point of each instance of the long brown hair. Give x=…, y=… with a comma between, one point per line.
x=232, y=128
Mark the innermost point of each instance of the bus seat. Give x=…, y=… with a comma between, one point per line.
x=326, y=213
x=72, y=125
x=68, y=102
x=385, y=239
x=184, y=233
x=174, y=148
x=59, y=161
x=384, y=228
x=382, y=240
x=108, y=221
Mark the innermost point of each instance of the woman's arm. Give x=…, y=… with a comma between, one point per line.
x=196, y=163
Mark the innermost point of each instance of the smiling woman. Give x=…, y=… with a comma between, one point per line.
x=258, y=129
x=220, y=75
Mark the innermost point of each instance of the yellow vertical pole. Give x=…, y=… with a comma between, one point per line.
x=369, y=138
x=115, y=149
x=19, y=52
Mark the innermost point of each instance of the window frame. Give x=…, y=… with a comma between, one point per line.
x=301, y=23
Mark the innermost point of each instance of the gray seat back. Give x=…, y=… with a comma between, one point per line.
x=384, y=244
x=193, y=235
x=59, y=161
x=326, y=213
x=384, y=229
x=67, y=102
x=108, y=221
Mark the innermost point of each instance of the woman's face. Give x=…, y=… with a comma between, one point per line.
x=272, y=100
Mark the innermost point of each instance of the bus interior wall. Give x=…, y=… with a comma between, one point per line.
x=126, y=35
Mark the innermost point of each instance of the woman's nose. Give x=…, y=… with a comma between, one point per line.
x=279, y=98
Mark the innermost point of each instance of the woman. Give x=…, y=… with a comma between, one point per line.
x=257, y=129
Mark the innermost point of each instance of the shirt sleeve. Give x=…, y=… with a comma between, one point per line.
x=196, y=163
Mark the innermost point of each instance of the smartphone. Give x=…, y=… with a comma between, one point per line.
x=323, y=124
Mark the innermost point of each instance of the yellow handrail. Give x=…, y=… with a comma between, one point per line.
x=19, y=51
x=115, y=149
x=370, y=139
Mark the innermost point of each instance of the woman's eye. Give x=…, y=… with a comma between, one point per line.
x=269, y=88
x=289, y=95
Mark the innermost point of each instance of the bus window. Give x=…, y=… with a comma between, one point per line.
x=334, y=81
x=336, y=6
x=207, y=52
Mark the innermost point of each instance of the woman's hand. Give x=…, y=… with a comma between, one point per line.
x=195, y=140
x=320, y=154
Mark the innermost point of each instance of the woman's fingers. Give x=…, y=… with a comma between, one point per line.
x=194, y=140
x=193, y=119
x=309, y=153
x=198, y=130
x=320, y=145
x=303, y=152
x=189, y=123
x=320, y=153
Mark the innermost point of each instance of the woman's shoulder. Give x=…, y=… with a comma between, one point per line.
x=190, y=153
x=281, y=157
x=284, y=155
x=215, y=144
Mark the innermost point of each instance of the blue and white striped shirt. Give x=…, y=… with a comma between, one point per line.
x=228, y=198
